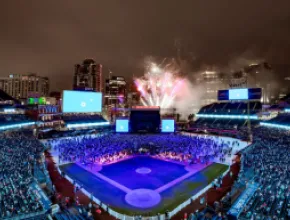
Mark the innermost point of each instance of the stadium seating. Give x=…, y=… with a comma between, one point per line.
x=228, y=109
x=266, y=163
x=68, y=215
x=235, y=108
x=281, y=119
x=17, y=192
x=70, y=133
x=13, y=118
x=83, y=118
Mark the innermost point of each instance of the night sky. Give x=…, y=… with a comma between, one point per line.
x=50, y=36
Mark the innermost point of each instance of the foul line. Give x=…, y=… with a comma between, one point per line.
x=178, y=180
x=112, y=182
x=172, y=183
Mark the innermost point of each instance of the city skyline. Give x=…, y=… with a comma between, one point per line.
x=50, y=37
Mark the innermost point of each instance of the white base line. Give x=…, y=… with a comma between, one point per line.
x=112, y=182
x=178, y=180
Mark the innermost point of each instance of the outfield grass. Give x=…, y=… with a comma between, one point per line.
x=213, y=171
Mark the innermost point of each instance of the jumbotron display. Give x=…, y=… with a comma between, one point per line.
x=240, y=94
x=167, y=125
x=122, y=125
x=81, y=102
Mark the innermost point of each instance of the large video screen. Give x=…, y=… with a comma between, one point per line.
x=238, y=94
x=167, y=125
x=81, y=102
x=122, y=125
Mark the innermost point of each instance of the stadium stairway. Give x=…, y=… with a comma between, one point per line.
x=65, y=188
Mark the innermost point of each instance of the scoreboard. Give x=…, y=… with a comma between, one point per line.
x=240, y=94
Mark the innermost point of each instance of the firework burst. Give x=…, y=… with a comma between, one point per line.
x=158, y=88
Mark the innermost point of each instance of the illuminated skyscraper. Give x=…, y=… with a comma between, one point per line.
x=88, y=76
x=116, y=93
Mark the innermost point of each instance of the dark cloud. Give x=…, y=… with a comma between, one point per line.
x=49, y=37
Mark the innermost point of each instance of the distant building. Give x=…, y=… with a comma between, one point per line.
x=258, y=75
x=6, y=99
x=57, y=95
x=212, y=81
x=133, y=95
x=116, y=92
x=88, y=76
x=133, y=99
x=20, y=86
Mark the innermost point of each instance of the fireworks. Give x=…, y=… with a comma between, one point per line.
x=158, y=87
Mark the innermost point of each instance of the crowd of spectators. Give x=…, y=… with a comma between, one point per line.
x=281, y=119
x=112, y=147
x=82, y=118
x=18, y=154
x=13, y=118
x=54, y=134
x=267, y=160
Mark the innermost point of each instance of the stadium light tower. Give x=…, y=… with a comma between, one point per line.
x=249, y=123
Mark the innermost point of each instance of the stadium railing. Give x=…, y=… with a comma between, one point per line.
x=34, y=215
x=243, y=199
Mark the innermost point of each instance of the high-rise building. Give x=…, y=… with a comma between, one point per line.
x=258, y=75
x=262, y=76
x=133, y=95
x=116, y=92
x=88, y=76
x=212, y=81
x=20, y=86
